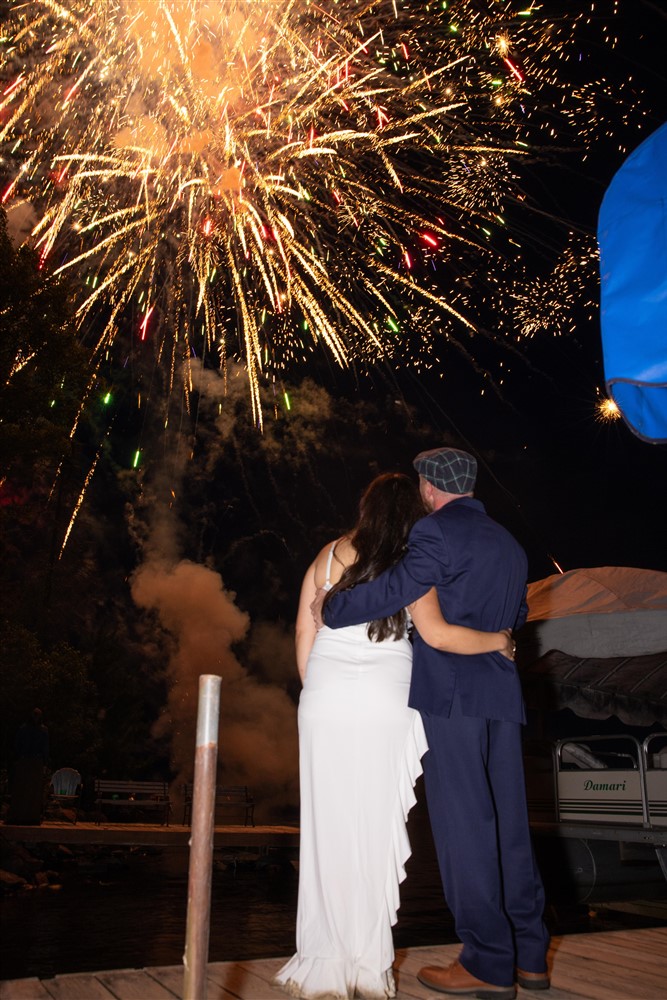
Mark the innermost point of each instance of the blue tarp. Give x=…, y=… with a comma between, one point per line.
x=632, y=235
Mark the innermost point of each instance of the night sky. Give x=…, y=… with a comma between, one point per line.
x=214, y=493
x=575, y=491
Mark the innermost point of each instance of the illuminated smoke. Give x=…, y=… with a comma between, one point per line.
x=189, y=603
x=257, y=740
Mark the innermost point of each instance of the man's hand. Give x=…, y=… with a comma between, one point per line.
x=316, y=607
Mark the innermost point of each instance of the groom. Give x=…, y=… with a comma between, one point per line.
x=472, y=709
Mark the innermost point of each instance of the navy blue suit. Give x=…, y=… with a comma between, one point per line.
x=472, y=709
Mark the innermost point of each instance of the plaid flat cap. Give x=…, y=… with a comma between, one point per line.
x=448, y=469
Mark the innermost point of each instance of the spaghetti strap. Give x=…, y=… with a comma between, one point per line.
x=327, y=582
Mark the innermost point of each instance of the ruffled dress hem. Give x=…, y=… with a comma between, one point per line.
x=304, y=978
x=415, y=748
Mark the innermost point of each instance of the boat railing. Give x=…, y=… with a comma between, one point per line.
x=596, y=781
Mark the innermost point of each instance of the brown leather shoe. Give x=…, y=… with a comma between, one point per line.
x=456, y=979
x=533, y=980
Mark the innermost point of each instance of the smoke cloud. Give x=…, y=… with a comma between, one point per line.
x=258, y=743
x=21, y=219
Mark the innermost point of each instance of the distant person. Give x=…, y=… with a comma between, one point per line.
x=31, y=755
x=472, y=711
x=360, y=749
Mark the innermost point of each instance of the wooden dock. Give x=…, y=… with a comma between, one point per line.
x=613, y=965
x=147, y=834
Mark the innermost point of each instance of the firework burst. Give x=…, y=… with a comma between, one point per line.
x=259, y=177
x=606, y=410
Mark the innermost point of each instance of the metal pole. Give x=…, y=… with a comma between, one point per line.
x=197, y=929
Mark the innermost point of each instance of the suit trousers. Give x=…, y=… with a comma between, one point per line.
x=476, y=797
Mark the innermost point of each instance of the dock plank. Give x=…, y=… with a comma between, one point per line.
x=172, y=978
x=169, y=976
x=593, y=982
x=602, y=966
x=644, y=939
x=265, y=968
x=412, y=959
x=77, y=986
x=23, y=989
x=580, y=989
x=598, y=980
x=129, y=984
x=624, y=954
x=239, y=979
x=407, y=964
x=611, y=965
x=554, y=993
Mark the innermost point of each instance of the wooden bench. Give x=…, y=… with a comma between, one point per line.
x=232, y=798
x=133, y=795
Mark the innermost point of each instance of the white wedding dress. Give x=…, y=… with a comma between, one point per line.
x=359, y=751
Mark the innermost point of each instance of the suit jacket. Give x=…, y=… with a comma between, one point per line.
x=479, y=571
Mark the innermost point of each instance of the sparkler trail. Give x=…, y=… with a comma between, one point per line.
x=259, y=177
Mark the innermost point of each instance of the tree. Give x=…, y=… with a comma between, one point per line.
x=54, y=680
x=44, y=373
x=50, y=653
x=43, y=368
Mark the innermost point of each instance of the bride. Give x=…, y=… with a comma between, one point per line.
x=359, y=750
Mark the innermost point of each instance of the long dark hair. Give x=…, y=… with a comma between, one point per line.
x=388, y=508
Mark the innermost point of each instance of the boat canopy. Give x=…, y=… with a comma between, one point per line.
x=633, y=288
x=596, y=642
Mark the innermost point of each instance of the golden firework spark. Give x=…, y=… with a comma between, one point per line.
x=607, y=410
x=265, y=176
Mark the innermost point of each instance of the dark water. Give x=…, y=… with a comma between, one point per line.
x=127, y=910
